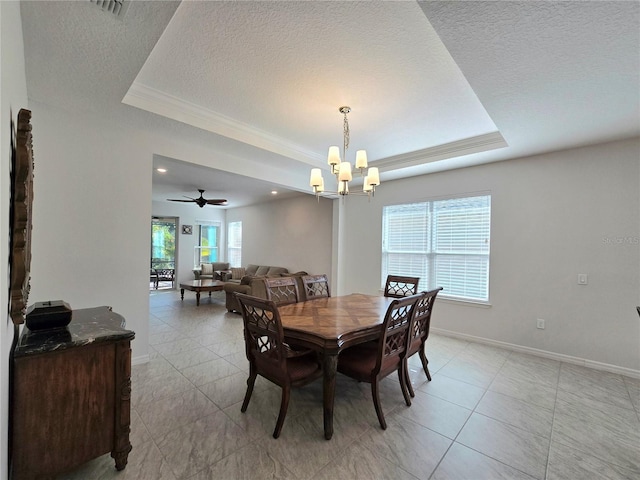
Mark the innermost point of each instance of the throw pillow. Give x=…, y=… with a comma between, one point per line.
x=207, y=269
x=237, y=273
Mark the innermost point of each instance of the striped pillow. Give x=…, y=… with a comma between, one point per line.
x=207, y=269
x=237, y=273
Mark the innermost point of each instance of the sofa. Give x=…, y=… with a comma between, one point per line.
x=252, y=283
x=214, y=271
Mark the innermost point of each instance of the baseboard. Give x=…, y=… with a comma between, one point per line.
x=607, y=367
x=140, y=360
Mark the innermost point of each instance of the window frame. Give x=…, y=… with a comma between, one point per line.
x=234, y=252
x=427, y=256
x=215, y=248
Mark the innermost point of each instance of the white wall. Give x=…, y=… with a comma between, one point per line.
x=92, y=210
x=295, y=234
x=13, y=97
x=189, y=214
x=553, y=216
x=91, y=217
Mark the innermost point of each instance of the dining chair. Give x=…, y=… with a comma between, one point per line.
x=372, y=361
x=419, y=332
x=282, y=290
x=398, y=286
x=316, y=286
x=270, y=357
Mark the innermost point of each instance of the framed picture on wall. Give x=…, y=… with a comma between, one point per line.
x=187, y=229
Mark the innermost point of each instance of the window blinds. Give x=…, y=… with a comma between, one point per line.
x=444, y=242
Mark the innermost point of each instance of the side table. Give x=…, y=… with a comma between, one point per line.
x=71, y=395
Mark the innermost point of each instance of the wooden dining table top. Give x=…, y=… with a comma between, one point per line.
x=335, y=322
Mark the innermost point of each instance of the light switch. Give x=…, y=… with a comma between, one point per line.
x=583, y=279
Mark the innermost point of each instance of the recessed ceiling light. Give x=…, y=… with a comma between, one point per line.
x=274, y=192
x=161, y=170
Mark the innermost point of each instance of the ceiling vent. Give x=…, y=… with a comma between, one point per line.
x=116, y=7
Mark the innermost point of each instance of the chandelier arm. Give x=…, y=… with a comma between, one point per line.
x=342, y=168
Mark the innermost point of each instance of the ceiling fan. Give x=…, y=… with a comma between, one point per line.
x=201, y=201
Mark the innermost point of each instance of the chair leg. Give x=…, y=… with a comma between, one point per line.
x=250, y=383
x=376, y=403
x=408, y=378
x=402, y=376
x=284, y=404
x=423, y=357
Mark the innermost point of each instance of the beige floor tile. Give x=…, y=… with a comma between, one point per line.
x=359, y=463
x=512, y=446
x=415, y=448
x=250, y=462
x=454, y=391
x=194, y=447
x=463, y=463
x=526, y=416
x=172, y=412
x=568, y=463
x=443, y=417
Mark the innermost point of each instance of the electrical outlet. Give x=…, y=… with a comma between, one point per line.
x=540, y=324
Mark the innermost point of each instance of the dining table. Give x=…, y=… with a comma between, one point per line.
x=329, y=325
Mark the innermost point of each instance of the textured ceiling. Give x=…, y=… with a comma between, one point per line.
x=284, y=69
x=432, y=85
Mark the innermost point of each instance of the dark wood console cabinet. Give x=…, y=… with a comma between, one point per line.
x=71, y=395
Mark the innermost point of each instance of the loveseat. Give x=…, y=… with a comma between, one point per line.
x=211, y=270
x=252, y=283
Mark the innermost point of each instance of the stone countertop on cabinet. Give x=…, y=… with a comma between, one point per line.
x=87, y=326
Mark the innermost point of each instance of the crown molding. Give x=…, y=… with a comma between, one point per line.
x=160, y=103
x=169, y=106
x=459, y=148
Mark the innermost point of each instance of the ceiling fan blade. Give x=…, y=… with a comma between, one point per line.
x=201, y=201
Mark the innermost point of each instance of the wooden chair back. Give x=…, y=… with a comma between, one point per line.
x=264, y=337
x=421, y=324
x=316, y=286
x=282, y=290
x=398, y=286
x=393, y=341
x=269, y=356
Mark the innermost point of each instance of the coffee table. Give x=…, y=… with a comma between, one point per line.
x=198, y=286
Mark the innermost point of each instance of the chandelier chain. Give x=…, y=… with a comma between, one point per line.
x=345, y=131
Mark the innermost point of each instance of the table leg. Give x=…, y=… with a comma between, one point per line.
x=182, y=294
x=328, y=392
x=197, y=298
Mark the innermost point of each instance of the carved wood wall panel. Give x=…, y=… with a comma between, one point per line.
x=20, y=217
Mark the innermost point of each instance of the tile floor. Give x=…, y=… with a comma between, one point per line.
x=488, y=414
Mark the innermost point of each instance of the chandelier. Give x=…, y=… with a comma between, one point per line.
x=342, y=169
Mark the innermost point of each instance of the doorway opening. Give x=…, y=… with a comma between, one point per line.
x=162, y=274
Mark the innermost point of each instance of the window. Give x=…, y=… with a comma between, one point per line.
x=234, y=244
x=209, y=239
x=444, y=242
